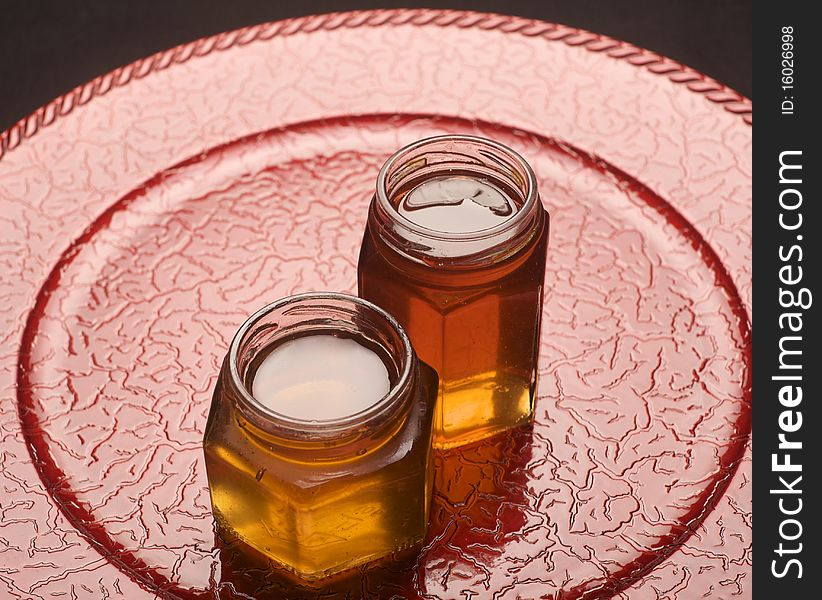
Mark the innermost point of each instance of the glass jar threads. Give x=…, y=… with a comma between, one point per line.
x=318, y=442
x=455, y=249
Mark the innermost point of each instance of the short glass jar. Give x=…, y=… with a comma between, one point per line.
x=455, y=248
x=322, y=495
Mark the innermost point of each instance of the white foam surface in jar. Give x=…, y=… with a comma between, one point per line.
x=320, y=377
x=457, y=204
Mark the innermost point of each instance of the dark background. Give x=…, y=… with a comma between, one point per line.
x=47, y=48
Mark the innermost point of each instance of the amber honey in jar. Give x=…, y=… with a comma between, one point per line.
x=455, y=249
x=318, y=442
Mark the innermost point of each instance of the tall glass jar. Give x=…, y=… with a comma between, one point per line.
x=322, y=495
x=455, y=248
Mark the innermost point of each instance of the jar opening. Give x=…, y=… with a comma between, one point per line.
x=339, y=315
x=455, y=196
x=321, y=374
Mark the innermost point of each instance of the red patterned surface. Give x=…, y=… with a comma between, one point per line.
x=125, y=276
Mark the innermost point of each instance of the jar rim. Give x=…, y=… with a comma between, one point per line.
x=530, y=193
x=323, y=428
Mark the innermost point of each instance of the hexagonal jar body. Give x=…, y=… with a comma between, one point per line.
x=455, y=249
x=321, y=496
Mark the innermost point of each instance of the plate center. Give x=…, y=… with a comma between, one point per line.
x=643, y=405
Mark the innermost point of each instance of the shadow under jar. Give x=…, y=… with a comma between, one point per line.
x=300, y=467
x=454, y=248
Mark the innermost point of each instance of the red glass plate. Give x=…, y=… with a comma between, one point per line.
x=146, y=213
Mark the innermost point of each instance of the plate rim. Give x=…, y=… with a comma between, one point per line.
x=658, y=64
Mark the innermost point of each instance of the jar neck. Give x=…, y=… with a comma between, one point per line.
x=470, y=157
x=321, y=439
x=339, y=445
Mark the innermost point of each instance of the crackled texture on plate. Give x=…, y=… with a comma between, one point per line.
x=129, y=291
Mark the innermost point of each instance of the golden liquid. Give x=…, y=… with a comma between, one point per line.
x=479, y=329
x=318, y=518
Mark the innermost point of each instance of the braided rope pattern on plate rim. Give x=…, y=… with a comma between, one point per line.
x=676, y=72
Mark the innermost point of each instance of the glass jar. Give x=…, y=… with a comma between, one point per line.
x=322, y=495
x=454, y=248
